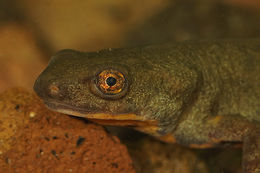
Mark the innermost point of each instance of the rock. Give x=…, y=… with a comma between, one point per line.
x=197, y=20
x=88, y=25
x=250, y=4
x=34, y=139
x=151, y=156
x=20, y=55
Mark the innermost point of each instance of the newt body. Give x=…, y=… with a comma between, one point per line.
x=196, y=93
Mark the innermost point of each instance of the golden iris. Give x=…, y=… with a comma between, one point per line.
x=110, y=81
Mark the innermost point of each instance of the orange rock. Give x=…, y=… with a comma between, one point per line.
x=34, y=139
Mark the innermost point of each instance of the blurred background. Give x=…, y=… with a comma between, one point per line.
x=31, y=31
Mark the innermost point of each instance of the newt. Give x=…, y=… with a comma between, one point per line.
x=195, y=93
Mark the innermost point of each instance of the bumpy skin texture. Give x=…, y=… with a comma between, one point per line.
x=199, y=93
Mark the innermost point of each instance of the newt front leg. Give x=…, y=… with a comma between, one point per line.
x=251, y=151
x=231, y=128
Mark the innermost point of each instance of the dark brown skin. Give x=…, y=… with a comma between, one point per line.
x=196, y=93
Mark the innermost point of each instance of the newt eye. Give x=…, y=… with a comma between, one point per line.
x=111, y=83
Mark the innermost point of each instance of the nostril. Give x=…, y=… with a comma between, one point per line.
x=54, y=89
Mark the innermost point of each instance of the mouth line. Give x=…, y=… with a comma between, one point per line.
x=127, y=119
x=56, y=106
x=95, y=116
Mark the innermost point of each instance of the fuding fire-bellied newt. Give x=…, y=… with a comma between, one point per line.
x=196, y=93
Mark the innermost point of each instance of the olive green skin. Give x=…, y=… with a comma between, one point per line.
x=183, y=86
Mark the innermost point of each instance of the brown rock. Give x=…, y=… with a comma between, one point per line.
x=88, y=25
x=151, y=156
x=21, y=58
x=197, y=20
x=34, y=139
x=251, y=4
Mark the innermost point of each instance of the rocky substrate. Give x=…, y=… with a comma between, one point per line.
x=34, y=139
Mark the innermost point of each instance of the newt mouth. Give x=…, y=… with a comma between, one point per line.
x=129, y=119
x=115, y=120
x=138, y=122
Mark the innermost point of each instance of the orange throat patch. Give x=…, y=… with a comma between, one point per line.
x=137, y=122
x=117, y=120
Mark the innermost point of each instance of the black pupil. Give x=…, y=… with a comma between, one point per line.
x=111, y=81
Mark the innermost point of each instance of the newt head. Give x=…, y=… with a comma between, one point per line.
x=126, y=87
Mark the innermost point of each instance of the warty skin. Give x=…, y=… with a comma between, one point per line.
x=196, y=93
